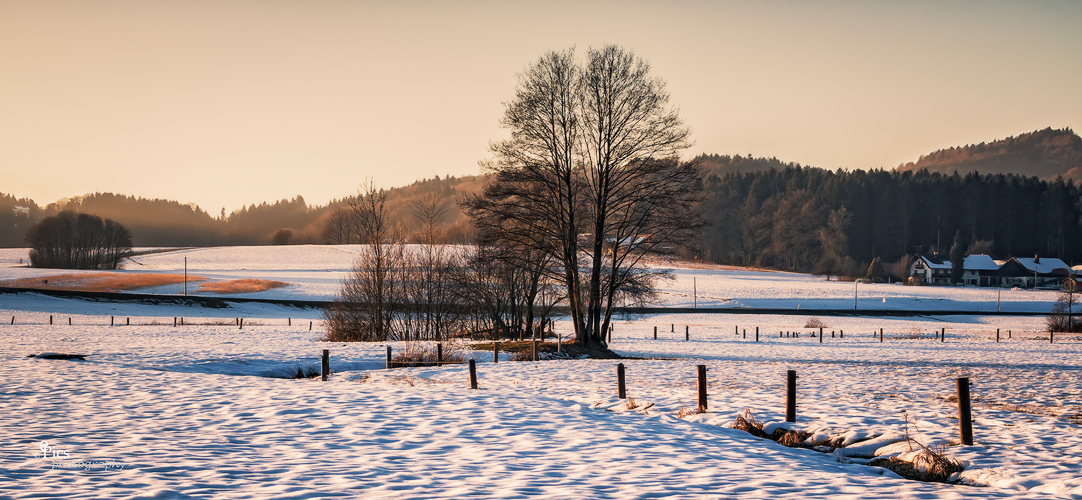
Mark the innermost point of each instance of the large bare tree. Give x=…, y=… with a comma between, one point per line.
x=591, y=177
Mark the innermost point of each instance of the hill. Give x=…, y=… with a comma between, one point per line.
x=1044, y=154
x=156, y=222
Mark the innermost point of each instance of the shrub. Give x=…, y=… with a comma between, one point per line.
x=815, y=323
x=77, y=241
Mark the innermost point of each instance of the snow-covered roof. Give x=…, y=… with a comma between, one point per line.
x=979, y=262
x=934, y=263
x=1045, y=264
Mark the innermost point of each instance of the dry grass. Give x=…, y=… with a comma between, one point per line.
x=241, y=286
x=749, y=424
x=424, y=354
x=100, y=282
x=814, y=322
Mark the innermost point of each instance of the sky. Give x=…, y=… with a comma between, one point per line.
x=231, y=103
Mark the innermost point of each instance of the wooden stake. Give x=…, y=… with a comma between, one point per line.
x=388, y=357
x=289, y=321
x=965, y=415
x=110, y=321
x=997, y=335
x=702, y=388
x=880, y=335
x=756, y=334
x=325, y=366
x=620, y=392
x=655, y=333
x=496, y=352
x=790, y=396
x=309, y=326
x=687, y=334
x=473, y=374
x=943, y=335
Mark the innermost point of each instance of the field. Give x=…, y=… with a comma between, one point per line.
x=204, y=411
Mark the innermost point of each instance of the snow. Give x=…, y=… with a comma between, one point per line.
x=196, y=411
x=1045, y=265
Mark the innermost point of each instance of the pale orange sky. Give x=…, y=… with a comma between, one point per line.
x=228, y=103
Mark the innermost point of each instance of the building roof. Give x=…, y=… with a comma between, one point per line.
x=1045, y=264
x=980, y=262
x=935, y=262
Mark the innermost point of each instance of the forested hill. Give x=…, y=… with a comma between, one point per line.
x=838, y=222
x=1043, y=154
x=155, y=222
x=720, y=165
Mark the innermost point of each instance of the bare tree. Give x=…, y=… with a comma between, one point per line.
x=366, y=307
x=590, y=177
x=71, y=240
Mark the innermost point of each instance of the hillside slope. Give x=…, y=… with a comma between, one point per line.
x=1043, y=153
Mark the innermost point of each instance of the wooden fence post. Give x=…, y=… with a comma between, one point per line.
x=880, y=335
x=325, y=366
x=473, y=374
x=127, y=321
x=50, y=319
x=820, y=335
x=309, y=326
x=687, y=334
x=756, y=334
x=496, y=351
x=655, y=333
x=13, y=320
x=110, y=321
x=388, y=357
x=289, y=321
x=965, y=415
x=841, y=334
x=439, y=354
x=620, y=391
x=997, y=335
x=174, y=321
x=1051, y=337
x=943, y=335
x=790, y=396
x=745, y=334
x=702, y=388
x=69, y=320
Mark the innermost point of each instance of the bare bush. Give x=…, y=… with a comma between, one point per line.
x=78, y=241
x=814, y=322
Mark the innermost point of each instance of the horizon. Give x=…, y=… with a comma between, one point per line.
x=226, y=106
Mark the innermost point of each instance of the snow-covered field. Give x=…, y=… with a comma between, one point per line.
x=194, y=411
x=314, y=272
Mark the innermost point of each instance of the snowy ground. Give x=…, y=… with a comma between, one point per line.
x=314, y=272
x=194, y=411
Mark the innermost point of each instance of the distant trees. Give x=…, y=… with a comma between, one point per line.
x=70, y=240
x=590, y=179
x=837, y=222
x=282, y=236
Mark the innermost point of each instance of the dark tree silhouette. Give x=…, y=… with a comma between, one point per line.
x=77, y=241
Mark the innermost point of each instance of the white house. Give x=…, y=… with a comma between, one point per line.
x=980, y=270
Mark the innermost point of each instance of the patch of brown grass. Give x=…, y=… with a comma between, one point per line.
x=814, y=322
x=424, y=354
x=100, y=282
x=240, y=286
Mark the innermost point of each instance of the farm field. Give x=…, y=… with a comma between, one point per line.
x=202, y=411
x=313, y=272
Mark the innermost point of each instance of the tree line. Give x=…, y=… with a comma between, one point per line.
x=838, y=222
